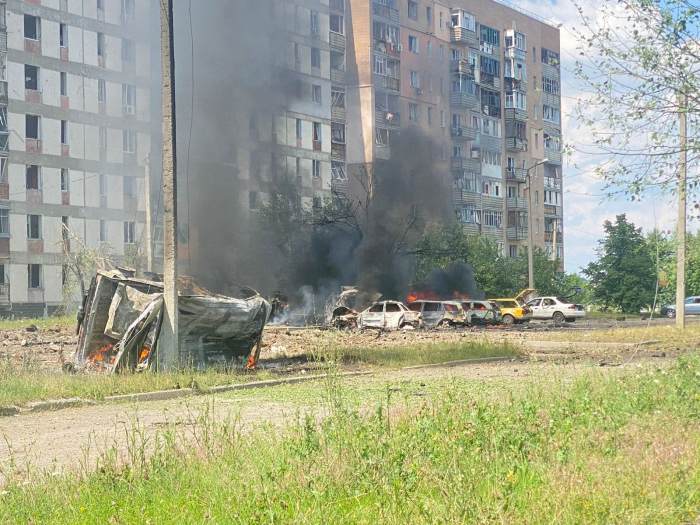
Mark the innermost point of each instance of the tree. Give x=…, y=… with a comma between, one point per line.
x=668, y=265
x=624, y=277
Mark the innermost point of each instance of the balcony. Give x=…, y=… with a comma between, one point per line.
x=491, y=81
x=388, y=13
x=461, y=35
x=464, y=133
x=4, y=294
x=553, y=210
x=380, y=81
x=489, y=143
x=552, y=183
x=463, y=197
x=337, y=5
x=554, y=157
x=550, y=71
x=386, y=118
x=470, y=228
x=516, y=203
x=338, y=151
x=549, y=237
x=516, y=144
x=339, y=114
x=516, y=114
x=550, y=99
x=514, y=52
x=492, y=203
x=3, y=92
x=466, y=164
x=516, y=233
x=516, y=174
x=338, y=77
x=463, y=100
x=461, y=66
x=382, y=152
x=337, y=41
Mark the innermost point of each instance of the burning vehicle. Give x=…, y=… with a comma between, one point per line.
x=121, y=317
x=344, y=318
x=389, y=315
x=440, y=313
x=482, y=312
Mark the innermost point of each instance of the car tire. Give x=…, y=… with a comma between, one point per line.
x=558, y=317
x=508, y=320
x=671, y=313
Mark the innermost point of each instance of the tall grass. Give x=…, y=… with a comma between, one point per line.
x=622, y=448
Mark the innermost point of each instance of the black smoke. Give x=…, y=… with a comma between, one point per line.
x=452, y=282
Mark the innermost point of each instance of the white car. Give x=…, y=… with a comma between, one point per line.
x=389, y=315
x=556, y=308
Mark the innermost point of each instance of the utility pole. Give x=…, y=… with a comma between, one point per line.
x=680, y=257
x=149, y=219
x=168, y=351
x=530, y=244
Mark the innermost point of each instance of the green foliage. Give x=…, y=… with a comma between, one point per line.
x=496, y=274
x=624, y=277
x=668, y=259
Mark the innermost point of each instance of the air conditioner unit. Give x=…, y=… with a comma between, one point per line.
x=129, y=110
x=397, y=48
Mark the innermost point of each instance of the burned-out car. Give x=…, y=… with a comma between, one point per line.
x=482, y=312
x=344, y=318
x=440, y=313
x=120, y=325
x=389, y=315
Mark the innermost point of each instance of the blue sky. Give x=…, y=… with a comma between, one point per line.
x=585, y=209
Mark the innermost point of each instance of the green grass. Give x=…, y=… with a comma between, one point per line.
x=23, y=384
x=617, y=448
x=46, y=323
x=428, y=354
x=668, y=335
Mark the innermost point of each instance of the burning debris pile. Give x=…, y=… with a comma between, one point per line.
x=452, y=283
x=120, y=327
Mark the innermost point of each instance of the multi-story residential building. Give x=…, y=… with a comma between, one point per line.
x=75, y=103
x=480, y=78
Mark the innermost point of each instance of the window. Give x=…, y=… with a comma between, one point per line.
x=551, y=114
x=317, y=132
x=380, y=65
x=442, y=86
x=491, y=127
x=34, y=227
x=100, y=5
x=428, y=15
x=415, y=79
x=382, y=137
x=337, y=133
x=63, y=35
x=534, y=82
x=316, y=168
x=128, y=51
x=441, y=53
x=33, y=177
x=534, y=109
x=537, y=198
x=315, y=57
x=492, y=218
x=128, y=187
x=457, y=151
x=299, y=129
x=413, y=44
x=442, y=20
x=129, y=232
x=65, y=180
x=103, y=137
x=31, y=77
x=338, y=99
x=516, y=99
x=32, y=27
x=537, y=140
x=490, y=36
x=337, y=24
x=103, y=230
x=297, y=56
x=128, y=10
x=513, y=251
x=491, y=188
x=34, y=276
x=315, y=31
x=64, y=227
x=129, y=98
x=430, y=49
x=491, y=157
x=550, y=57
x=550, y=85
x=4, y=221
x=316, y=94
x=413, y=112
x=490, y=66
x=101, y=91
x=442, y=119
x=430, y=116
x=386, y=33
x=129, y=139
x=101, y=46
x=252, y=200
x=412, y=10
x=338, y=171
x=471, y=215
x=102, y=185
x=64, y=84
x=64, y=132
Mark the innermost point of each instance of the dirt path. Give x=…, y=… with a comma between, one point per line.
x=67, y=439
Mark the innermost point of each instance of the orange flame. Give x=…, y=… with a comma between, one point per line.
x=427, y=295
x=102, y=356
x=457, y=296
x=144, y=354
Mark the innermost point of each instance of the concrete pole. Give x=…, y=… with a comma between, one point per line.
x=149, y=218
x=168, y=351
x=530, y=265
x=680, y=256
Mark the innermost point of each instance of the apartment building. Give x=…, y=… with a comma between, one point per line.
x=480, y=78
x=75, y=133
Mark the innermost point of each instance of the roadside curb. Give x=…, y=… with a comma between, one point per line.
x=276, y=382
x=461, y=362
x=55, y=404
x=158, y=395
x=9, y=411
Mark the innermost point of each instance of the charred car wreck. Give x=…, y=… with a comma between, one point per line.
x=120, y=325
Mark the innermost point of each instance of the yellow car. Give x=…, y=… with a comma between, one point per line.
x=515, y=310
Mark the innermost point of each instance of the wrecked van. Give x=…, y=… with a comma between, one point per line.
x=389, y=315
x=440, y=313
